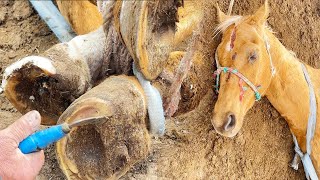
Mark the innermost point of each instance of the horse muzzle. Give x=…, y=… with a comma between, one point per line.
x=225, y=124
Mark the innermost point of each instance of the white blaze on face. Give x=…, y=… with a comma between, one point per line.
x=41, y=62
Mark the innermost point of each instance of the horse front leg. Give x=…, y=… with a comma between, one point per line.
x=51, y=81
x=110, y=149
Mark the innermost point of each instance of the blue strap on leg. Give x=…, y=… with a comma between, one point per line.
x=53, y=18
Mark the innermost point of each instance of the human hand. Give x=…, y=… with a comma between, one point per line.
x=13, y=163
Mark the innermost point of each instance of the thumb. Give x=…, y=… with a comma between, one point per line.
x=36, y=161
x=24, y=126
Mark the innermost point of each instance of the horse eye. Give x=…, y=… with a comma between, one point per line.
x=253, y=56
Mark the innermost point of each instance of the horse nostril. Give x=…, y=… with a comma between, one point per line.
x=231, y=122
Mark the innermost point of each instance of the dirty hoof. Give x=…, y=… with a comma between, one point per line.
x=40, y=83
x=109, y=150
x=151, y=38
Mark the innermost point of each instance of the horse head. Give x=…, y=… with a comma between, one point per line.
x=244, y=68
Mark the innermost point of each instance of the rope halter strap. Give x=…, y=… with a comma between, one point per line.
x=267, y=44
x=305, y=157
x=241, y=78
x=239, y=75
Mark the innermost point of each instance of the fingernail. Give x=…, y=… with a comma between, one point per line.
x=33, y=118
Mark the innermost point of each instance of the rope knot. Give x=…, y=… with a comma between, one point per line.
x=225, y=69
x=257, y=95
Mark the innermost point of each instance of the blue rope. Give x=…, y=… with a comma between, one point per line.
x=56, y=22
x=257, y=95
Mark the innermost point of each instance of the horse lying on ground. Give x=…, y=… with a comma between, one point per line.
x=252, y=63
x=77, y=79
x=81, y=64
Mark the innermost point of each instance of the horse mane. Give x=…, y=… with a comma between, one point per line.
x=233, y=20
x=225, y=24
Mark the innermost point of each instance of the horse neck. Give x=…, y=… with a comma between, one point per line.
x=288, y=91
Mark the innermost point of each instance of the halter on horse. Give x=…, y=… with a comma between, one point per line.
x=230, y=124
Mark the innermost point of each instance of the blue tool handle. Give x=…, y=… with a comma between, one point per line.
x=41, y=139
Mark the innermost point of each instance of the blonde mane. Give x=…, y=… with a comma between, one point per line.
x=225, y=24
x=233, y=20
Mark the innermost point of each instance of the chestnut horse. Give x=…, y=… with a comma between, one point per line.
x=83, y=16
x=252, y=63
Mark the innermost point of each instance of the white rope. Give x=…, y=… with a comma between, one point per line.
x=313, y=111
x=217, y=59
x=306, y=162
x=273, y=69
x=154, y=104
x=230, y=7
x=305, y=157
x=53, y=18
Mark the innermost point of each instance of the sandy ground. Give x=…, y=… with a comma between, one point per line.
x=190, y=148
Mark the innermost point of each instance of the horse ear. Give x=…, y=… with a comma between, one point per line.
x=261, y=16
x=221, y=15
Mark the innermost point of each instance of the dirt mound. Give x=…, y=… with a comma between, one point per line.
x=190, y=148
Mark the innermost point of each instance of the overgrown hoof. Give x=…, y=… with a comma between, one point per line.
x=40, y=83
x=29, y=83
x=148, y=30
x=108, y=150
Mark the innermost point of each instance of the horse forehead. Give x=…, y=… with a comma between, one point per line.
x=242, y=32
x=248, y=33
